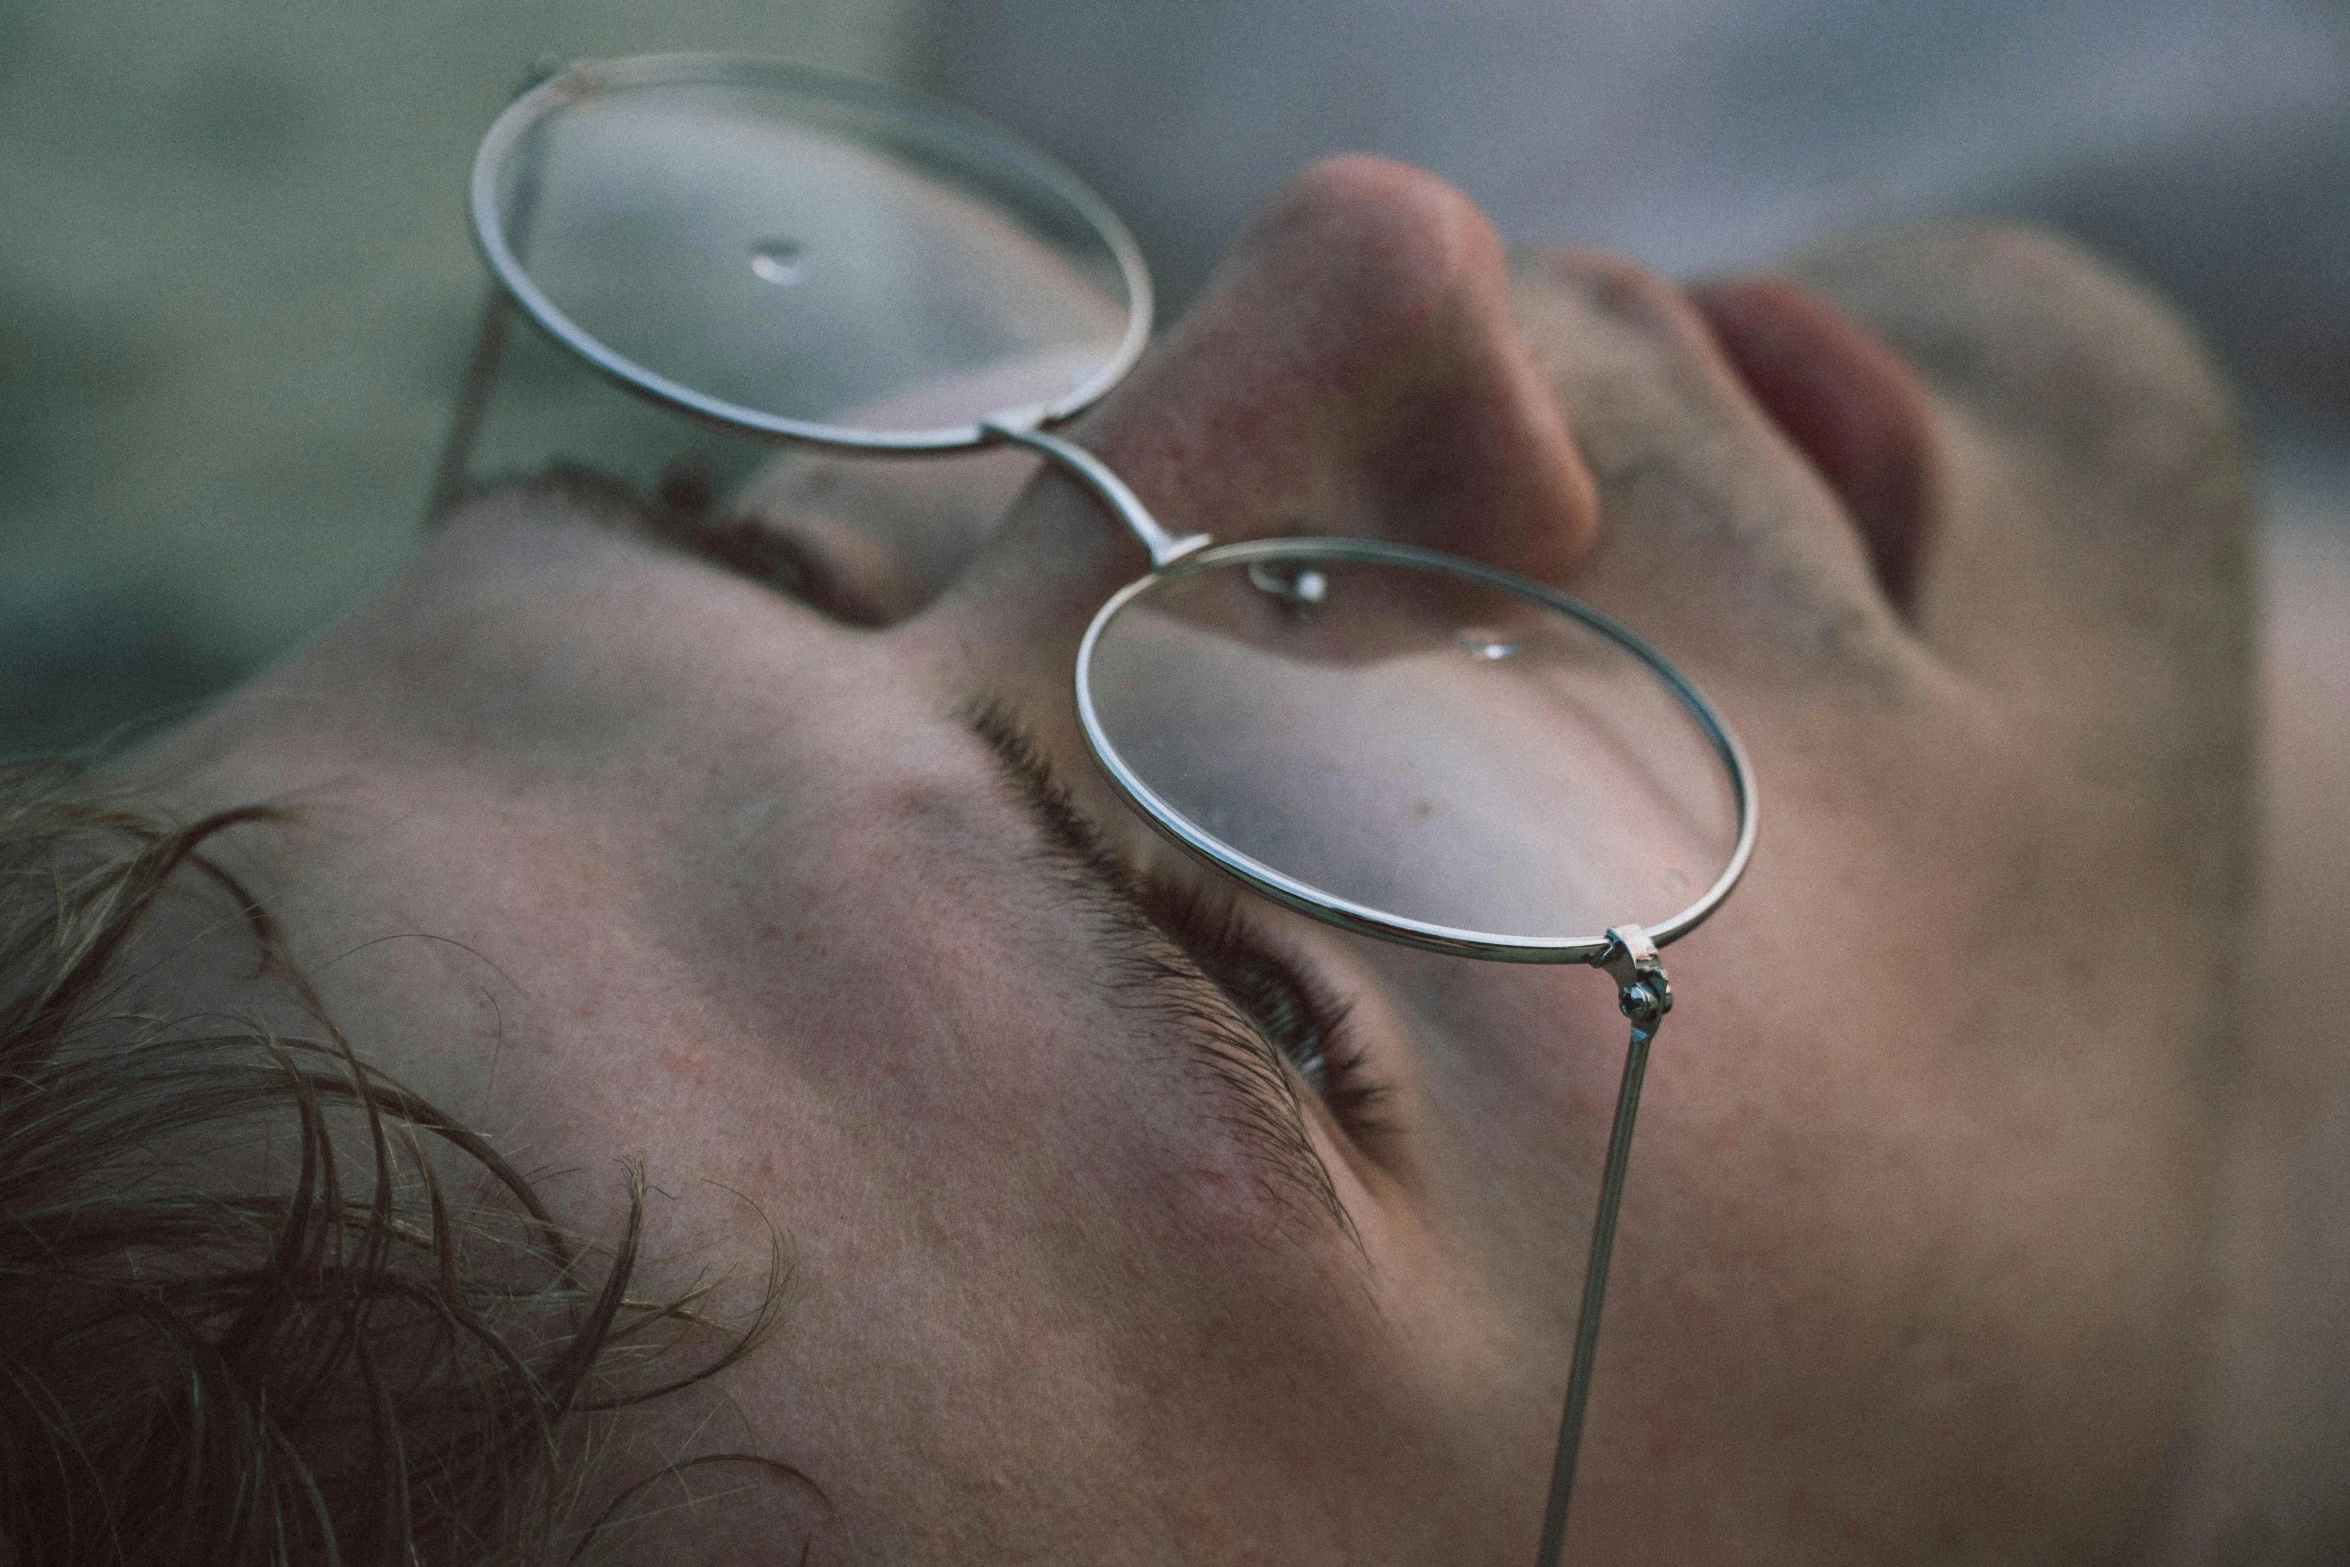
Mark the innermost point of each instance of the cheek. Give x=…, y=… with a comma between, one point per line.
x=1911, y=1242
x=1035, y=1293
x=1025, y=1232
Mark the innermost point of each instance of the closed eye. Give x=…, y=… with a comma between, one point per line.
x=1258, y=1060
x=1298, y=1015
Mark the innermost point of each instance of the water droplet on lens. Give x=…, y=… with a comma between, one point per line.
x=779, y=261
x=1479, y=642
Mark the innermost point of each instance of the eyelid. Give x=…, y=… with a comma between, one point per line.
x=763, y=551
x=1241, y=954
x=1268, y=1111
x=1154, y=968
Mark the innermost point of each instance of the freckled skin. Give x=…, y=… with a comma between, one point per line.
x=1913, y=1263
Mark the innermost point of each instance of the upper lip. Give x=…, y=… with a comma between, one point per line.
x=1845, y=400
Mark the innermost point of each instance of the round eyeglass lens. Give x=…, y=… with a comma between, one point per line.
x=1411, y=744
x=806, y=255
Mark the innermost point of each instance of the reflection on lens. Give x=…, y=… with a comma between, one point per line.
x=1411, y=740
x=780, y=261
x=788, y=246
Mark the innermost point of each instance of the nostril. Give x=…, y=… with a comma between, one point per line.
x=1847, y=402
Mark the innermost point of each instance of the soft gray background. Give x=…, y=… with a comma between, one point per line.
x=236, y=288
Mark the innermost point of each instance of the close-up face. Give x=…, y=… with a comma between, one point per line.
x=1126, y=1217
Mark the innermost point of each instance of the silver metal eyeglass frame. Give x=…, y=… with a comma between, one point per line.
x=1627, y=953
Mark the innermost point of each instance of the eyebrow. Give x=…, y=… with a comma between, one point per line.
x=1154, y=969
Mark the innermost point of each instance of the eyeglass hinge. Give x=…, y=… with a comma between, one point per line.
x=1644, y=994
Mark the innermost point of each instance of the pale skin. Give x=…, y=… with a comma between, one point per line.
x=1917, y=1255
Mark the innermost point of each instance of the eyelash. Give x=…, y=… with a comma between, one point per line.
x=766, y=555
x=1294, y=1011
x=1188, y=953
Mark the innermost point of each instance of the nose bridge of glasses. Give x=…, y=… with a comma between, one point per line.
x=1104, y=485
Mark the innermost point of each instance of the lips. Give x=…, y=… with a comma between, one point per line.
x=1851, y=405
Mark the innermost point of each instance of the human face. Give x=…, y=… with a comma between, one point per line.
x=1911, y=1265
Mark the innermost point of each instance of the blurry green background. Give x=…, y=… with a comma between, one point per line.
x=237, y=296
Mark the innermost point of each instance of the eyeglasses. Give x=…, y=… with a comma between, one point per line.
x=1397, y=741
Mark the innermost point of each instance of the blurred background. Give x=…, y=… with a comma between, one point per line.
x=237, y=291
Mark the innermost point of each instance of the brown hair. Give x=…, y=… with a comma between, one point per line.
x=264, y=1305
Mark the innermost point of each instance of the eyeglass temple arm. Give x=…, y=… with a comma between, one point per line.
x=481, y=378
x=489, y=337
x=1091, y=472
x=1644, y=995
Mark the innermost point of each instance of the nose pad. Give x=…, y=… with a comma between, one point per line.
x=1355, y=367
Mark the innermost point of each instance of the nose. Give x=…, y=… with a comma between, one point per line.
x=1354, y=368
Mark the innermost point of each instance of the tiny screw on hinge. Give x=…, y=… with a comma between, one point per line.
x=1644, y=995
x=1642, y=1004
